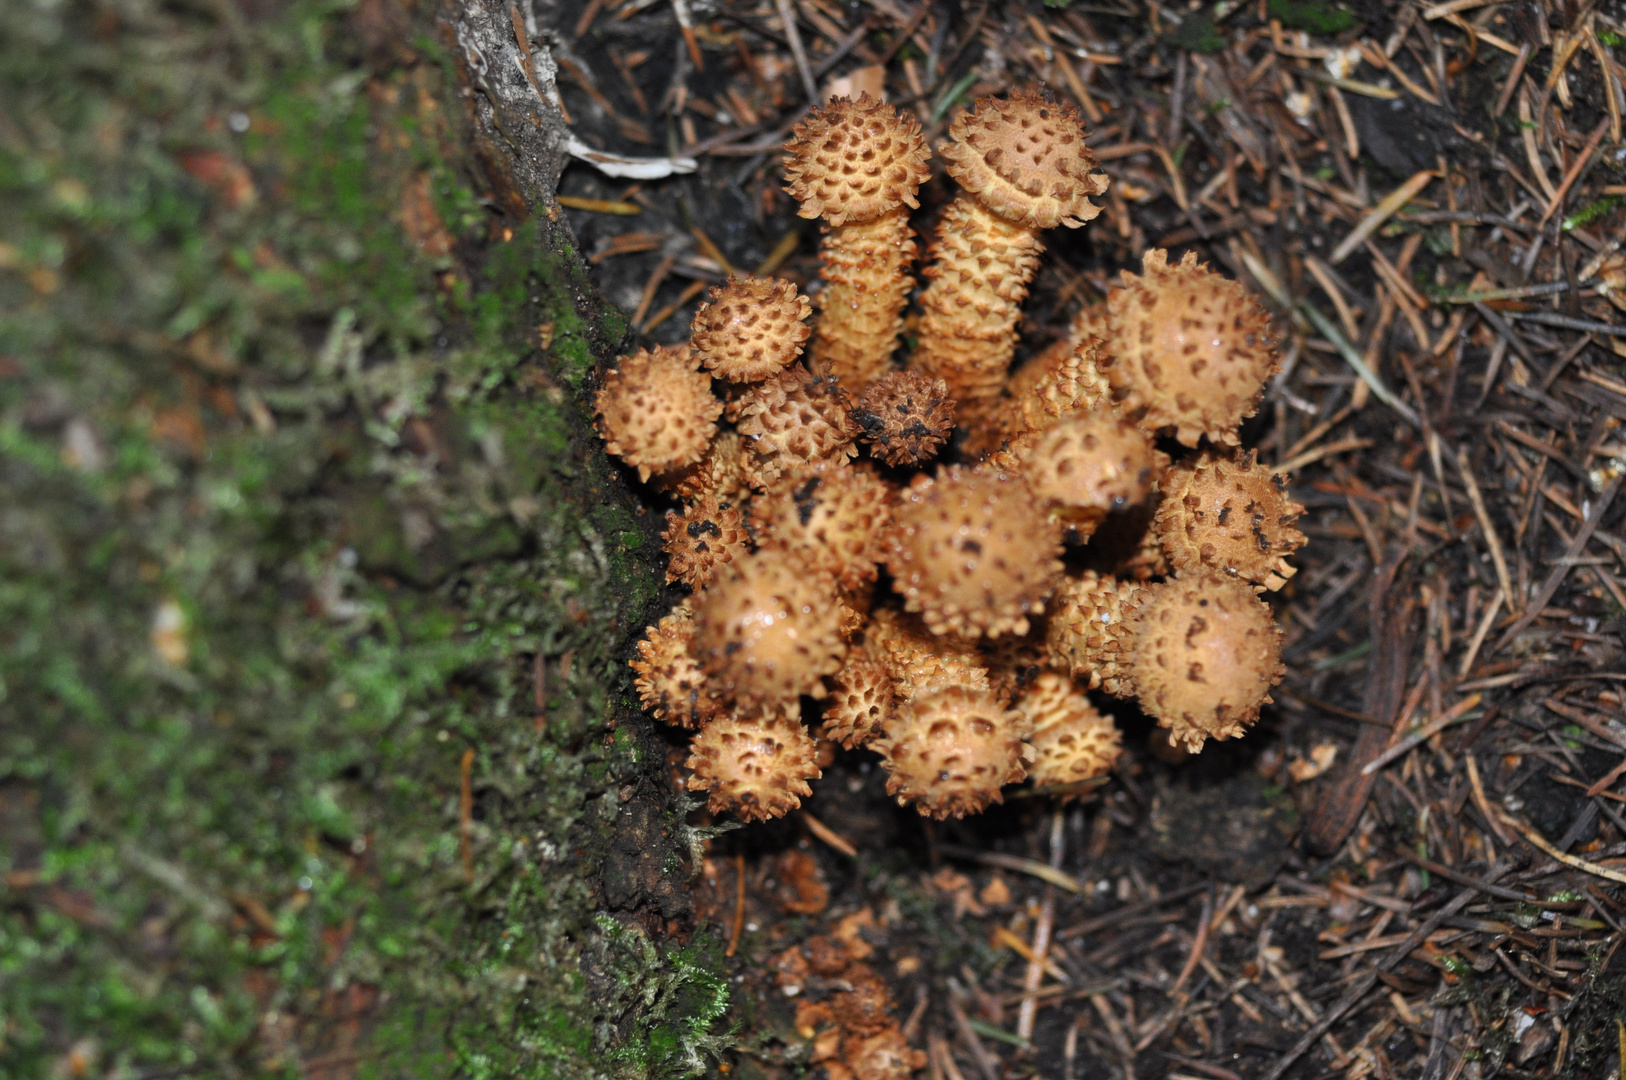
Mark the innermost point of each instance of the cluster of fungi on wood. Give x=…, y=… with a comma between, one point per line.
x=970, y=672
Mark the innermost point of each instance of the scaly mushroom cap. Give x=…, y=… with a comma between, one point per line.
x=852, y=161
x=1092, y=463
x=973, y=552
x=950, y=751
x=768, y=628
x=728, y=470
x=1191, y=349
x=919, y=661
x=656, y=412
x=706, y=535
x=1025, y=158
x=862, y=697
x=796, y=419
x=755, y=765
x=1090, y=628
x=1204, y=654
x=1072, y=742
x=752, y=328
x=1230, y=515
x=670, y=683
x=905, y=417
x=835, y=516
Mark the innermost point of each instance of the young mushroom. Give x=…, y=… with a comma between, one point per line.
x=756, y=765
x=950, y=751
x=834, y=517
x=904, y=417
x=1071, y=741
x=858, y=165
x=1089, y=630
x=751, y=328
x=795, y=419
x=656, y=412
x=862, y=698
x=1191, y=350
x=973, y=551
x=1090, y=464
x=1023, y=168
x=1204, y=654
x=670, y=683
x=1234, y=516
x=705, y=535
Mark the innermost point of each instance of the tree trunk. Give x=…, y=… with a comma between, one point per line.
x=317, y=754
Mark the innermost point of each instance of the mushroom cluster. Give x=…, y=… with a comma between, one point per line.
x=874, y=548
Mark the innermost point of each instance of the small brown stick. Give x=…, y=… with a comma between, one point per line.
x=1488, y=620
x=693, y=290
x=1029, y=1010
x=1115, y=1028
x=1014, y=862
x=1384, y=210
x=979, y=1053
x=793, y=36
x=1492, y=540
x=1198, y=944
x=1609, y=95
x=1526, y=49
x=1422, y=734
x=1582, y=161
x=1583, y=536
x=739, y=904
x=663, y=268
x=1541, y=842
x=827, y=834
x=465, y=813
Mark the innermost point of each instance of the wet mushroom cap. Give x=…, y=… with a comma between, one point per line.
x=918, y=660
x=768, y=629
x=656, y=412
x=1191, y=350
x=950, y=751
x=852, y=161
x=1024, y=158
x=1205, y=652
x=755, y=765
x=1095, y=461
x=750, y=329
x=1232, y=515
x=1089, y=629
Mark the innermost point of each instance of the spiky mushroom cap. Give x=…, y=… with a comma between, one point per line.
x=973, y=551
x=706, y=535
x=755, y=765
x=768, y=629
x=1089, y=630
x=1071, y=741
x=656, y=412
x=835, y=516
x=1024, y=157
x=751, y=328
x=852, y=161
x=950, y=751
x=1191, y=349
x=1092, y=463
x=1232, y=515
x=905, y=417
x=669, y=681
x=862, y=698
x=1204, y=655
x=918, y=661
x=795, y=419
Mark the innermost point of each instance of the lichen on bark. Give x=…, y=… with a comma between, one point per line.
x=303, y=536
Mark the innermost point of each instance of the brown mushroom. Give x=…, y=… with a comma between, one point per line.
x=656, y=412
x=904, y=417
x=858, y=165
x=1232, y=515
x=670, y=683
x=833, y=516
x=751, y=328
x=1090, y=464
x=1023, y=167
x=1203, y=655
x=950, y=751
x=794, y=420
x=1191, y=350
x=754, y=765
x=919, y=661
x=973, y=551
x=705, y=535
x=862, y=698
x=1072, y=742
x=1089, y=633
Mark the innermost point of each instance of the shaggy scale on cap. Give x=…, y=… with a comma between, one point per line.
x=706, y=535
x=1089, y=633
x=1024, y=157
x=1204, y=655
x=852, y=161
x=756, y=766
x=669, y=681
x=862, y=698
x=1230, y=515
x=973, y=552
x=752, y=328
x=767, y=630
x=905, y=417
x=1191, y=349
x=835, y=517
x=1071, y=741
x=656, y=412
x=795, y=420
x=950, y=751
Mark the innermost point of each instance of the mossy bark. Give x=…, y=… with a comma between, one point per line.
x=316, y=745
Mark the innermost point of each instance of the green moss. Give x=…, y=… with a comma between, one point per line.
x=327, y=522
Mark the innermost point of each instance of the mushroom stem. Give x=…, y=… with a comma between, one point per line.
x=865, y=268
